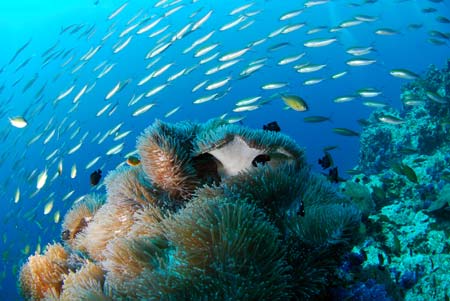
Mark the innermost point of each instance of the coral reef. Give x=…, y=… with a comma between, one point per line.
x=406, y=170
x=424, y=127
x=214, y=212
x=362, y=291
x=442, y=202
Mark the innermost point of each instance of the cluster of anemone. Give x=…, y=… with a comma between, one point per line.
x=213, y=212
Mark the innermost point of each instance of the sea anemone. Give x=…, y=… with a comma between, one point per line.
x=326, y=225
x=275, y=189
x=128, y=191
x=112, y=220
x=317, y=190
x=130, y=183
x=44, y=274
x=165, y=280
x=281, y=191
x=79, y=216
x=165, y=152
x=360, y=196
x=316, y=244
x=230, y=249
x=84, y=284
x=127, y=258
x=147, y=222
x=237, y=149
x=213, y=212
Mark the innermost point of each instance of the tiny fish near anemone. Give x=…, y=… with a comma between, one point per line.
x=133, y=161
x=95, y=177
x=272, y=126
x=333, y=175
x=326, y=161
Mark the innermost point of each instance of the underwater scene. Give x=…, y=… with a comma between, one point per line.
x=225, y=150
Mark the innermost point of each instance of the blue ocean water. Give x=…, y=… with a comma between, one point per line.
x=60, y=35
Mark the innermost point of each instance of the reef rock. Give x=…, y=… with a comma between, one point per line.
x=424, y=128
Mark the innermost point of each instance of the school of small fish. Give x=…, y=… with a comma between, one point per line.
x=79, y=103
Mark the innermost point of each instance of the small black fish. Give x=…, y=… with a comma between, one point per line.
x=363, y=254
x=65, y=235
x=381, y=266
x=261, y=160
x=326, y=161
x=301, y=209
x=95, y=177
x=333, y=175
x=272, y=126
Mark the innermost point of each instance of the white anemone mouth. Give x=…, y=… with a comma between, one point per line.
x=234, y=157
x=237, y=156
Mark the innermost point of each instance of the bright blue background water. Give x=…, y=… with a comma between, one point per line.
x=25, y=224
